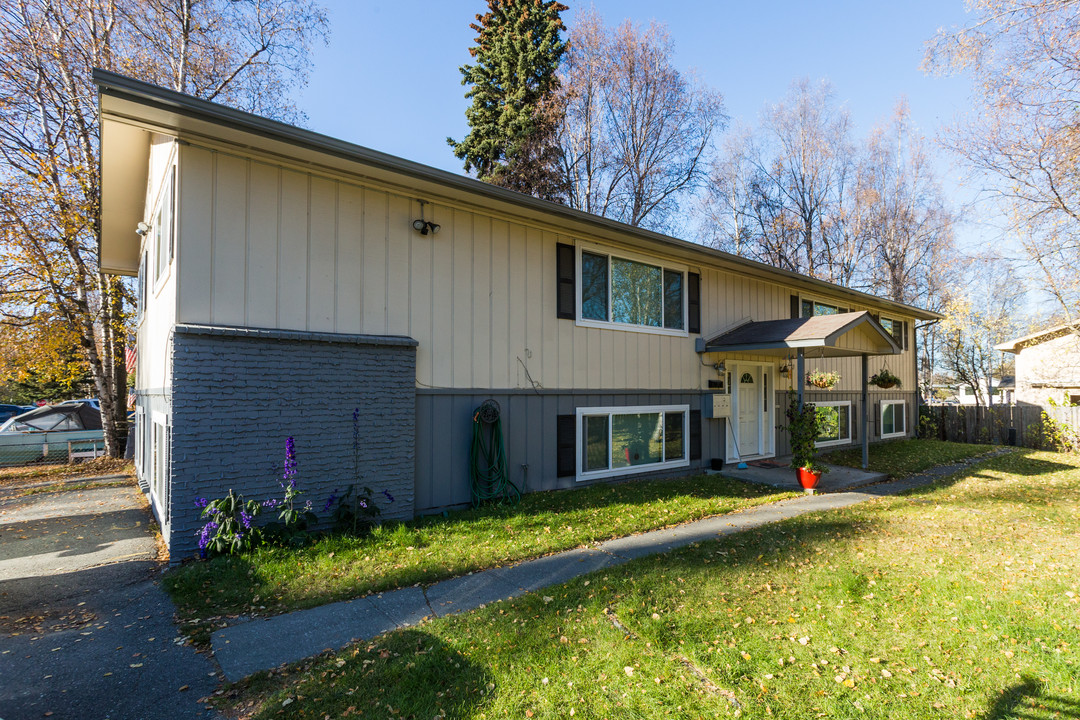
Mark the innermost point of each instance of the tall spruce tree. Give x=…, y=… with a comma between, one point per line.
x=515, y=109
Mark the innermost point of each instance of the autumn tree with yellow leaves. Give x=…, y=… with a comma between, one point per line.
x=245, y=53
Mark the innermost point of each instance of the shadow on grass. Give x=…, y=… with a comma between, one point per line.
x=1026, y=699
x=1020, y=463
x=408, y=673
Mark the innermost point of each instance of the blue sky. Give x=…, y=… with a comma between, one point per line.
x=389, y=78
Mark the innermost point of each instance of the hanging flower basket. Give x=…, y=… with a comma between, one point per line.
x=823, y=379
x=885, y=380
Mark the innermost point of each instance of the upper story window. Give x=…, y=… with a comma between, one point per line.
x=810, y=308
x=893, y=418
x=163, y=226
x=628, y=291
x=896, y=328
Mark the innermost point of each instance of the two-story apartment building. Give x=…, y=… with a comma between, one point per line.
x=293, y=285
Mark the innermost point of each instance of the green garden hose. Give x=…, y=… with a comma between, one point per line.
x=488, y=458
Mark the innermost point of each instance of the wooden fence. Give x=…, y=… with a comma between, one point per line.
x=1022, y=425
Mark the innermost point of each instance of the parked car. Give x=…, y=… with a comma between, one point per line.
x=9, y=411
x=47, y=433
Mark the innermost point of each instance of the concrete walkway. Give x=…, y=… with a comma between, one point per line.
x=780, y=475
x=85, y=629
x=266, y=643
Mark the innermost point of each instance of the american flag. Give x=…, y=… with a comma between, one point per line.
x=130, y=355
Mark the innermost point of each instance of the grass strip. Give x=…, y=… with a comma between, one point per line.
x=960, y=600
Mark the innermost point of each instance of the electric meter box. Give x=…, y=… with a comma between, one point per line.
x=716, y=405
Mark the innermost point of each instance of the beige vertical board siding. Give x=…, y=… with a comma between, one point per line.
x=460, y=348
x=372, y=270
x=322, y=241
x=442, y=246
x=196, y=233
x=536, y=313
x=262, y=246
x=270, y=246
x=421, y=283
x=549, y=343
x=481, y=298
x=518, y=284
x=501, y=283
x=293, y=252
x=397, y=259
x=350, y=238
x=230, y=234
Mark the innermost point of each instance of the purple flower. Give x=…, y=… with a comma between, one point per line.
x=289, y=475
x=389, y=497
x=245, y=518
x=212, y=511
x=307, y=505
x=362, y=503
x=201, y=502
x=330, y=501
x=204, y=535
x=271, y=503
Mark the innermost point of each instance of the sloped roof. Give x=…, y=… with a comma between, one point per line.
x=821, y=332
x=131, y=110
x=1017, y=344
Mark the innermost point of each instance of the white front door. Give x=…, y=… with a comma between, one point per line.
x=750, y=393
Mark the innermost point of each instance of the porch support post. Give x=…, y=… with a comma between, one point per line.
x=865, y=411
x=800, y=374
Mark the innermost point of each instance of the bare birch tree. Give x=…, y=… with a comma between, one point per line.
x=1023, y=58
x=637, y=133
x=243, y=52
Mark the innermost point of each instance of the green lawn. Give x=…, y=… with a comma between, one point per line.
x=276, y=580
x=899, y=458
x=959, y=600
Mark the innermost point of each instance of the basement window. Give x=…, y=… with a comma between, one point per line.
x=621, y=441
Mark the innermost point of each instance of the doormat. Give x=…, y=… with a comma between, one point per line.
x=767, y=464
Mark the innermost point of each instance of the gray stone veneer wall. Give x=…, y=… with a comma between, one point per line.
x=239, y=393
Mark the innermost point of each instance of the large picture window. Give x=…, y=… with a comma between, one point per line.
x=834, y=423
x=617, y=441
x=893, y=418
x=633, y=292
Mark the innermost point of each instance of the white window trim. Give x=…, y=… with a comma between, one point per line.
x=622, y=255
x=633, y=469
x=162, y=277
x=841, y=441
x=902, y=432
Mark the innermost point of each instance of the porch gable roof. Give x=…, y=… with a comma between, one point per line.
x=840, y=335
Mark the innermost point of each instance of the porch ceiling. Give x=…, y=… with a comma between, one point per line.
x=842, y=335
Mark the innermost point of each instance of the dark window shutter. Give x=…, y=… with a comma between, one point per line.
x=566, y=439
x=693, y=302
x=695, y=434
x=794, y=307
x=877, y=420
x=565, y=260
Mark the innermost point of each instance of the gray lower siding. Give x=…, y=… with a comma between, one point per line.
x=529, y=422
x=237, y=395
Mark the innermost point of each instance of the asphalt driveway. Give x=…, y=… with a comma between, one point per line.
x=85, y=629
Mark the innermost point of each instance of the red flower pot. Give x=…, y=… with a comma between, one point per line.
x=807, y=479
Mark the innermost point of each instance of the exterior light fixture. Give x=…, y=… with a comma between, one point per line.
x=142, y=228
x=425, y=227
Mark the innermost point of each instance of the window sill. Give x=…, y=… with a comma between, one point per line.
x=831, y=443
x=902, y=433
x=631, y=470
x=626, y=327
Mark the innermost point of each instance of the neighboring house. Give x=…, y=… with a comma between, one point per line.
x=1002, y=392
x=286, y=278
x=1047, y=366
